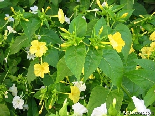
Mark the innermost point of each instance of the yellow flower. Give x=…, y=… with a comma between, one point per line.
x=38, y=48
x=152, y=45
x=40, y=69
x=116, y=41
x=152, y=36
x=61, y=16
x=75, y=94
x=124, y=15
x=146, y=52
x=131, y=49
x=99, y=4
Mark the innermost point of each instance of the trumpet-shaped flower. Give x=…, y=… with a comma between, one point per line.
x=61, y=16
x=146, y=52
x=39, y=48
x=152, y=36
x=80, y=85
x=34, y=9
x=100, y=111
x=139, y=104
x=41, y=69
x=1, y=0
x=13, y=89
x=116, y=41
x=79, y=109
x=75, y=94
x=18, y=102
x=11, y=30
x=9, y=18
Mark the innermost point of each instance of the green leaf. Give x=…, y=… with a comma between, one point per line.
x=146, y=64
x=150, y=97
x=79, y=26
x=97, y=97
x=30, y=26
x=90, y=27
x=101, y=22
x=5, y=3
x=49, y=79
x=30, y=75
x=55, y=2
x=62, y=70
x=75, y=58
x=4, y=111
x=143, y=78
x=112, y=66
x=20, y=41
x=31, y=2
x=139, y=9
x=126, y=36
x=33, y=108
x=63, y=110
x=92, y=60
x=128, y=3
x=51, y=57
x=49, y=36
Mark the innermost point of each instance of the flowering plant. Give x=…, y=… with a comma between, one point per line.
x=77, y=58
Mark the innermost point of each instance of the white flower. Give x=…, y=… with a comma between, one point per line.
x=100, y=111
x=11, y=30
x=79, y=109
x=13, y=89
x=9, y=18
x=1, y=0
x=104, y=4
x=95, y=9
x=18, y=102
x=25, y=107
x=82, y=87
x=6, y=59
x=139, y=104
x=30, y=56
x=84, y=17
x=77, y=0
x=34, y=9
x=6, y=94
x=39, y=37
x=67, y=19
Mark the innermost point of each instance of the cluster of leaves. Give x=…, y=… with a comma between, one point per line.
x=108, y=74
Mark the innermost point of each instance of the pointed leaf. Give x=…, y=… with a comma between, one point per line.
x=126, y=36
x=93, y=59
x=111, y=64
x=143, y=78
x=4, y=111
x=30, y=26
x=62, y=70
x=20, y=41
x=75, y=58
x=146, y=64
x=79, y=26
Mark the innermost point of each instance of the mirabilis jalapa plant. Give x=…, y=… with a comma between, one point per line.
x=79, y=58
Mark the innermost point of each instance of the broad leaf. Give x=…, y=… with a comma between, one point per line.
x=75, y=58
x=146, y=64
x=128, y=3
x=93, y=59
x=4, y=111
x=112, y=66
x=126, y=36
x=62, y=70
x=150, y=97
x=143, y=78
x=30, y=75
x=30, y=26
x=20, y=41
x=51, y=57
x=79, y=26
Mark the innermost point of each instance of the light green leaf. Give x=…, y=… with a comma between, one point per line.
x=93, y=59
x=20, y=41
x=146, y=64
x=63, y=110
x=101, y=22
x=126, y=36
x=30, y=75
x=79, y=26
x=49, y=36
x=4, y=111
x=112, y=66
x=30, y=26
x=62, y=70
x=143, y=78
x=97, y=97
x=150, y=97
x=75, y=58
x=51, y=57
